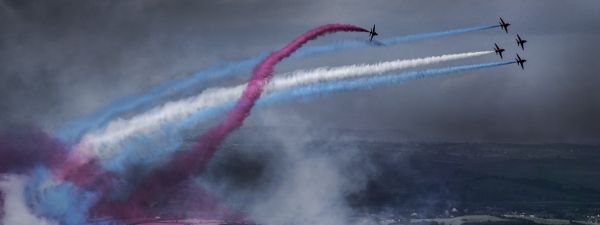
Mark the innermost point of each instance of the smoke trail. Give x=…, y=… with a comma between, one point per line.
x=30, y=150
x=341, y=86
x=194, y=161
x=110, y=140
x=347, y=45
x=262, y=74
x=173, y=142
x=63, y=202
x=21, y=150
x=162, y=178
x=322, y=75
x=73, y=131
x=49, y=204
x=370, y=82
x=66, y=192
x=16, y=209
x=44, y=200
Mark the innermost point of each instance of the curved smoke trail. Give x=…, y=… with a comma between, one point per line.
x=73, y=131
x=91, y=177
x=193, y=161
x=109, y=140
x=345, y=85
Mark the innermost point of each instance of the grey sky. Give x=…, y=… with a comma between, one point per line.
x=61, y=60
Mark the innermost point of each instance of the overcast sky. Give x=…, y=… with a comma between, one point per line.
x=62, y=60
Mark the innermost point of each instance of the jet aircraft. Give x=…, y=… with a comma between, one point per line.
x=498, y=50
x=372, y=33
x=504, y=25
x=520, y=42
x=520, y=61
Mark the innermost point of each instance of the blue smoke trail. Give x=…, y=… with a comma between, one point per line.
x=63, y=203
x=73, y=131
x=370, y=82
x=417, y=37
x=388, y=42
x=173, y=132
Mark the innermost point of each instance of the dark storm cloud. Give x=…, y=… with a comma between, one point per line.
x=64, y=59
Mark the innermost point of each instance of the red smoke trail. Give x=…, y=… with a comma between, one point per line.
x=189, y=163
x=84, y=174
x=29, y=147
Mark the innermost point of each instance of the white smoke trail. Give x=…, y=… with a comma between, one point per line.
x=16, y=211
x=107, y=141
